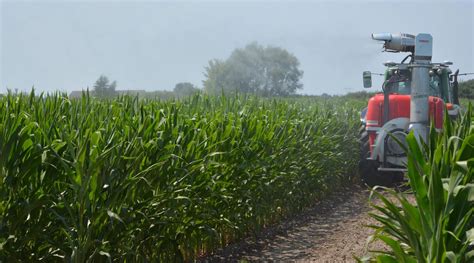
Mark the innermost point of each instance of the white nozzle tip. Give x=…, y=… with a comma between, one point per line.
x=382, y=36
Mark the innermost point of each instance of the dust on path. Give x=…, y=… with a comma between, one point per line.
x=333, y=230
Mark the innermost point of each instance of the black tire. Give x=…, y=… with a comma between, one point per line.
x=368, y=170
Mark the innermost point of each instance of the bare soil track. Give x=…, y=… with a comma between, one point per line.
x=333, y=230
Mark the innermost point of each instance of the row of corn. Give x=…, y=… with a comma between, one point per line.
x=131, y=180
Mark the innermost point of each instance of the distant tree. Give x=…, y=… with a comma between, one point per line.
x=216, y=73
x=184, y=89
x=104, y=89
x=161, y=95
x=466, y=89
x=267, y=71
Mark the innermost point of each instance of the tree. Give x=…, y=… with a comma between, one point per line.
x=466, y=89
x=215, y=74
x=267, y=71
x=103, y=89
x=184, y=89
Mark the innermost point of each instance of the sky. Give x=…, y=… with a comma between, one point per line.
x=152, y=45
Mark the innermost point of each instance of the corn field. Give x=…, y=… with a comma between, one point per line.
x=139, y=180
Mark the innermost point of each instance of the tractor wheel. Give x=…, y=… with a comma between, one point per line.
x=368, y=170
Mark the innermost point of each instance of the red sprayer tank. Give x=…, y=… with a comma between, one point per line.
x=399, y=108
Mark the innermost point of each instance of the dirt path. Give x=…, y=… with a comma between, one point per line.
x=331, y=231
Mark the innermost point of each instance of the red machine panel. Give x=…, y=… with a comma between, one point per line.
x=400, y=108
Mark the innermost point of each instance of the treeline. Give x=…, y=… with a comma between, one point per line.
x=103, y=88
x=466, y=89
x=264, y=71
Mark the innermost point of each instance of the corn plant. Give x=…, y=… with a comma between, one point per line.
x=439, y=225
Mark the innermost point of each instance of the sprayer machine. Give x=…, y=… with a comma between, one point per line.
x=416, y=92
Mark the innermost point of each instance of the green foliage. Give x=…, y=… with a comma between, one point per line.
x=360, y=95
x=466, y=89
x=104, y=89
x=267, y=71
x=184, y=89
x=159, y=95
x=150, y=181
x=439, y=225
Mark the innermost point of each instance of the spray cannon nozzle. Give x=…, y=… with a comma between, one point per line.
x=397, y=42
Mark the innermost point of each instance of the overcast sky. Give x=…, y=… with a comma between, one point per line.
x=153, y=45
